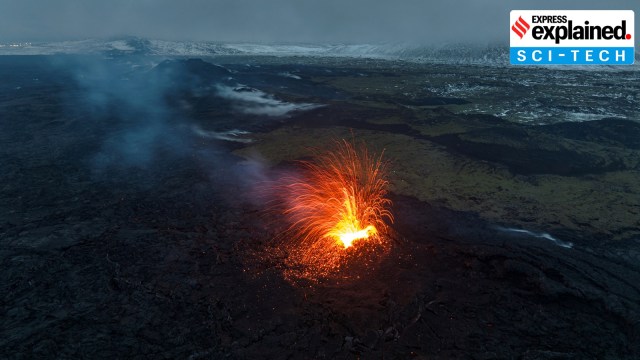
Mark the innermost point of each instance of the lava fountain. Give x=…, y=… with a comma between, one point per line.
x=337, y=209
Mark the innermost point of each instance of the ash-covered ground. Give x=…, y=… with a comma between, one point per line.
x=129, y=229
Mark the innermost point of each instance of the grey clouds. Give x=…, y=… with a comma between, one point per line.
x=281, y=21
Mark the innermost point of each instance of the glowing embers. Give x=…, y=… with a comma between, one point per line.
x=338, y=212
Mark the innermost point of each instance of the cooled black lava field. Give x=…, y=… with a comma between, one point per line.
x=129, y=228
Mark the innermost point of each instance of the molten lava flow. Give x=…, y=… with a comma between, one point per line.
x=348, y=236
x=338, y=204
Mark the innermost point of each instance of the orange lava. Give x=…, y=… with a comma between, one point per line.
x=338, y=210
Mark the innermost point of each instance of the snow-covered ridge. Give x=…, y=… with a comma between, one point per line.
x=133, y=46
x=117, y=46
x=450, y=54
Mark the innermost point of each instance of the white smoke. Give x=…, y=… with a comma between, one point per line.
x=255, y=102
x=543, y=235
x=235, y=135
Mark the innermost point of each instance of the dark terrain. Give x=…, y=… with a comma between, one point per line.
x=127, y=228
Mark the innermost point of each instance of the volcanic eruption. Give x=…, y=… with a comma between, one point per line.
x=337, y=210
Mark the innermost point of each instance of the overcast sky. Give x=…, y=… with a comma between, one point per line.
x=326, y=21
